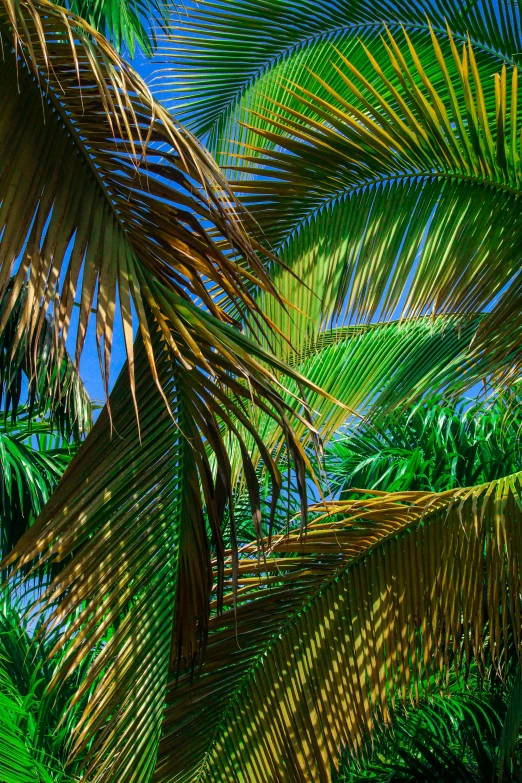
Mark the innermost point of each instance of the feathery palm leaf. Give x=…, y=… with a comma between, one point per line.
x=43, y=381
x=335, y=627
x=453, y=736
x=371, y=369
x=126, y=23
x=230, y=55
x=385, y=174
x=32, y=461
x=432, y=446
x=456, y=247
x=115, y=194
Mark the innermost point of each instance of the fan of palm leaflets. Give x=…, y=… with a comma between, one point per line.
x=371, y=369
x=457, y=167
x=105, y=199
x=336, y=628
x=384, y=168
x=458, y=735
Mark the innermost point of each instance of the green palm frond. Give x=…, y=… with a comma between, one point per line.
x=432, y=446
x=34, y=725
x=428, y=189
x=452, y=736
x=336, y=627
x=371, y=369
x=32, y=461
x=126, y=23
x=229, y=56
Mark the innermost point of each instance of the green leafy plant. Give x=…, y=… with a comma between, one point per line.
x=458, y=736
x=433, y=446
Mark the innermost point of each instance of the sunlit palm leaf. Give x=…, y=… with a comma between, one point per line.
x=229, y=55
x=335, y=626
x=370, y=369
x=114, y=192
x=40, y=379
x=429, y=185
x=126, y=23
x=129, y=548
x=115, y=522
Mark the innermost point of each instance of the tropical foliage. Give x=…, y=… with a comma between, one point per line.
x=378, y=266
x=465, y=735
x=432, y=446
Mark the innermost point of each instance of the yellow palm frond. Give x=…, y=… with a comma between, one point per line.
x=379, y=598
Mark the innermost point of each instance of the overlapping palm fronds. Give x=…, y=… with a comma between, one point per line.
x=230, y=57
x=432, y=446
x=446, y=160
x=381, y=164
x=119, y=205
x=371, y=369
x=455, y=736
x=336, y=627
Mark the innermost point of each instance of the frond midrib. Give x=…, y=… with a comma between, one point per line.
x=363, y=185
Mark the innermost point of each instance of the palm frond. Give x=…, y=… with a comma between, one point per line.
x=450, y=242
x=33, y=717
x=455, y=735
x=225, y=58
x=335, y=627
x=114, y=526
x=126, y=23
x=115, y=194
x=41, y=380
x=432, y=446
x=371, y=369
x=32, y=461
x=127, y=545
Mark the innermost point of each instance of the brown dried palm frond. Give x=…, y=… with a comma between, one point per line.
x=377, y=600
x=103, y=193
x=105, y=199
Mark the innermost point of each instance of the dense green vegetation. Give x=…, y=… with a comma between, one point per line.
x=290, y=547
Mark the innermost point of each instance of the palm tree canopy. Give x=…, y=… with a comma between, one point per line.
x=334, y=628
x=372, y=156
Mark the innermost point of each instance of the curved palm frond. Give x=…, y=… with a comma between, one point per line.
x=456, y=735
x=432, y=446
x=371, y=369
x=335, y=627
x=115, y=199
x=450, y=170
x=229, y=55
